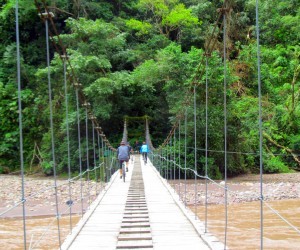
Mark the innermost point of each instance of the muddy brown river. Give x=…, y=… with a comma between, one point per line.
x=41, y=232
x=243, y=227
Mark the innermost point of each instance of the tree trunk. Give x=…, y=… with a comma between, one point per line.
x=268, y=137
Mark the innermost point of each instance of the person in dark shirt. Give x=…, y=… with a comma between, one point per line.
x=122, y=155
x=137, y=147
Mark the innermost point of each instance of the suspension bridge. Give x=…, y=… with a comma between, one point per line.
x=145, y=211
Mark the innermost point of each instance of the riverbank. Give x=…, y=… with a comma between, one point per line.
x=245, y=188
x=40, y=193
x=40, y=196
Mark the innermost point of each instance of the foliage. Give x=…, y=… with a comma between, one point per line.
x=141, y=28
x=140, y=57
x=275, y=165
x=169, y=18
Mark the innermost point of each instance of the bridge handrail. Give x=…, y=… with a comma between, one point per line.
x=229, y=190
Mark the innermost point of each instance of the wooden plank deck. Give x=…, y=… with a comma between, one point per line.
x=99, y=228
x=173, y=226
x=144, y=215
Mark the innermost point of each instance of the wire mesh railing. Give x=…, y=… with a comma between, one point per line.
x=167, y=166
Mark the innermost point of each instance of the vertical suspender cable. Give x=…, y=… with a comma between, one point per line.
x=260, y=128
x=87, y=151
x=225, y=128
x=162, y=163
x=195, y=150
x=112, y=166
x=20, y=122
x=169, y=172
x=105, y=162
x=99, y=153
x=95, y=162
x=174, y=155
x=206, y=139
x=110, y=160
x=68, y=139
x=170, y=158
x=179, y=156
x=160, y=159
x=79, y=148
x=52, y=129
x=185, y=152
x=103, y=165
x=167, y=157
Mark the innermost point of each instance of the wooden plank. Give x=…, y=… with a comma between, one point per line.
x=101, y=229
x=143, y=216
x=167, y=221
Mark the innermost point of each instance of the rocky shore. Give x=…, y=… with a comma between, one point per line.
x=244, y=188
x=40, y=193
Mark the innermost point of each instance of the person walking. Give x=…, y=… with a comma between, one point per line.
x=144, y=150
x=122, y=155
x=137, y=147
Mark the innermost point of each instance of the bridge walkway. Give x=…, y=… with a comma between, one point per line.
x=138, y=214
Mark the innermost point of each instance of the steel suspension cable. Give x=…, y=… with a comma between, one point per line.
x=60, y=48
x=167, y=156
x=206, y=140
x=99, y=153
x=260, y=125
x=225, y=123
x=95, y=160
x=169, y=153
x=174, y=155
x=52, y=127
x=179, y=155
x=68, y=137
x=185, y=152
x=79, y=147
x=160, y=161
x=234, y=192
x=102, y=148
x=106, y=162
x=125, y=133
x=20, y=123
x=87, y=151
x=198, y=72
x=195, y=153
x=166, y=162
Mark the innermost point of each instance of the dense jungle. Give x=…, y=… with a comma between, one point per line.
x=139, y=57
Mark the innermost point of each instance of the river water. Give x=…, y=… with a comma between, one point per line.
x=243, y=227
x=243, y=230
x=41, y=232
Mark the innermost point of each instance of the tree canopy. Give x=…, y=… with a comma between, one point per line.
x=140, y=57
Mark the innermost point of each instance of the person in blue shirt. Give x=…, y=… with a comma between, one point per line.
x=144, y=150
